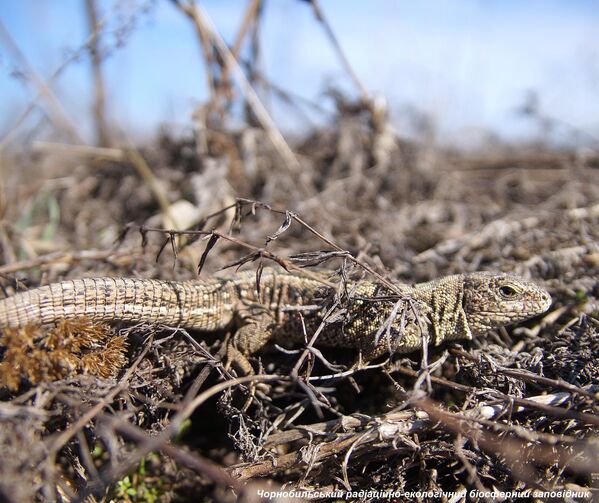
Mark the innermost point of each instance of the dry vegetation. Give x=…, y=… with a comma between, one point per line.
x=84, y=415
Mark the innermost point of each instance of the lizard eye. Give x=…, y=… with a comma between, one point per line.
x=507, y=291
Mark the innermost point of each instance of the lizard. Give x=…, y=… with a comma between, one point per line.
x=289, y=308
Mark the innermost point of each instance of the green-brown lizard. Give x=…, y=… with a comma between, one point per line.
x=289, y=308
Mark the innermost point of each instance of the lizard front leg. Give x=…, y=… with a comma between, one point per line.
x=253, y=334
x=255, y=331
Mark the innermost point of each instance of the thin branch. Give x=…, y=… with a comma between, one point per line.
x=205, y=44
x=205, y=24
x=70, y=258
x=518, y=455
x=130, y=154
x=190, y=404
x=249, y=17
x=340, y=53
x=8, y=137
x=56, y=112
x=102, y=132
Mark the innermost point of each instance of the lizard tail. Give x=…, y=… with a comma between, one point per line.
x=193, y=304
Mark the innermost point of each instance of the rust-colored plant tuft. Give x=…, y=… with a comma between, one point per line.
x=37, y=354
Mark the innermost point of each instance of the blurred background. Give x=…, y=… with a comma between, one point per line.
x=459, y=71
x=392, y=127
x=404, y=139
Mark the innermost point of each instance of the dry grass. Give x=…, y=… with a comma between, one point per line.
x=424, y=212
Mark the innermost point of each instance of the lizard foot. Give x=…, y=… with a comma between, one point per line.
x=240, y=365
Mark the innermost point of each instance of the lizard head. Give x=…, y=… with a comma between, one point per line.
x=493, y=300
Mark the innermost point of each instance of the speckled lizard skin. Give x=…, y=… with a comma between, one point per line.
x=290, y=308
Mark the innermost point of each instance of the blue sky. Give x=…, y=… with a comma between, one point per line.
x=465, y=63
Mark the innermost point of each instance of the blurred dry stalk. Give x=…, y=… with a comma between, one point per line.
x=375, y=204
x=89, y=46
x=208, y=33
x=102, y=132
x=56, y=112
x=130, y=154
x=531, y=108
x=319, y=14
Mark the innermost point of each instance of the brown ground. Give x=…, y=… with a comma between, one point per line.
x=75, y=420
